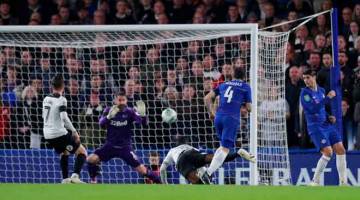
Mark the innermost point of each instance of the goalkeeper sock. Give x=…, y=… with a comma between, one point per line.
x=64, y=164
x=231, y=157
x=93, y=170
x=217, y=161
x=79, y=162
x=152, y=176
x=341, y=167
x=321, y=165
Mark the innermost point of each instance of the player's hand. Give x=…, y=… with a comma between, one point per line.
x=331, y=94
x=113, y=111
x=140, y=108
x=76, y=137
x=332, y=119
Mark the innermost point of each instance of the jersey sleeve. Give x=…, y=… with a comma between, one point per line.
x=248, y=95
x=63, y=105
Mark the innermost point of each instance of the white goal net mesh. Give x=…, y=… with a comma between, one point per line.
x=164, y=69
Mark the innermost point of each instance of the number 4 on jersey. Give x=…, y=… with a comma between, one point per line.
x=229, y=94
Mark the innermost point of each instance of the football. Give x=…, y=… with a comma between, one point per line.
x=169, y=115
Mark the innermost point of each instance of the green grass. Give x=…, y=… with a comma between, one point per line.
x=172, y=192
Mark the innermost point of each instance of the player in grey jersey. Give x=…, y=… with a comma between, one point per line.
x=56, y=126
x=190, y=162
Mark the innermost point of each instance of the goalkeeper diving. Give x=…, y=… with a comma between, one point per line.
x=118, y=121
x=190, y=162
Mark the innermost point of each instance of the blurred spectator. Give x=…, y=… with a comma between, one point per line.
x=55, y=20
x=347, y=71
x=129, y=88
x=154, y=165
x=356, y=13
x=354, y=33
x=314, y=61
x=292, y=93
x=182, y=70
x=270, y=18
x=76, y=102
x=347, y=120
x=179, y=12
x=145, y=13
x=122, y=15
x=346, y=20
x=323, y=76
x=5, y=14
x=162, y=19
x=303, y=8
x=99, y=17
x=83, y=17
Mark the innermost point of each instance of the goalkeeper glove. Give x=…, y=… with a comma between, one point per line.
x=140, y=108
x=113, y=111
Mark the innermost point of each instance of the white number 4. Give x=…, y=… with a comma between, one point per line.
x=229, y=94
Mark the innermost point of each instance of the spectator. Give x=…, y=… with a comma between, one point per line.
x=171, y=98
x=129, y=88
x=347, y=125
x=64, y=13
x=356, y=13
x=83, y=17
x=314, y=61
x=55, y=20
x=182, y=70
x=122, y=13
x=154, y=165
x=29, y=112
x=347, y=74
x=99, y=17
x=26, y=66
x=345, y=22
x=320, y=42
x=76, y=102
x=323, y=76
x=321, y=26
x=198, y=18
x=233, y=15
x=242, y=9
x=292, y=93
x=162, y=19
x=145, y=13
x=270, y=18
x=179, y=12
x=159, y=9
x=5, y=14
x=354, y=33
x=303, y=8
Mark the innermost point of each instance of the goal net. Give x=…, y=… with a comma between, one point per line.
x=165, y=66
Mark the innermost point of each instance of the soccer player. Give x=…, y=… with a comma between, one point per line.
x=189, y=162
x=320, y=127
x=118, y=122
x=56, y=124
x=232, y=96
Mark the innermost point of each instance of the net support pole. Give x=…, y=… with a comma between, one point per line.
x=253, y=114
x=335, y=83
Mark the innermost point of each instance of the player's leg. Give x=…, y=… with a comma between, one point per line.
x=323, y=144
x=336, y=142
x=103, y=154
x=80, y=159
x=93, y=162
x=64, y=165
x=228, y=134
x=131, y=159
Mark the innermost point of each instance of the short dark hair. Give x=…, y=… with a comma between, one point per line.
x=154, y=154
x=309, y=72
x=239, y=73
x=181, y=139
x=57, y=82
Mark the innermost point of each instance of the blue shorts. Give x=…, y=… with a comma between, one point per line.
x=226, y=127
x=324, y=135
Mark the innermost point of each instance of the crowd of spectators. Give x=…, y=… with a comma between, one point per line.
x=162, y=76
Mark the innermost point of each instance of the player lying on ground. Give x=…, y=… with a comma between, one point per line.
x=321, y=129
x=189, y=161
x=56, y=123
x=118, y=121
x=233, y=94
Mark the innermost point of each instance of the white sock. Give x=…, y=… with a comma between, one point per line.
x=217, y=161
x=321, y=165
x=341, y=167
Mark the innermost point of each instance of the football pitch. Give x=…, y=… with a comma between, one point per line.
x=172, y=192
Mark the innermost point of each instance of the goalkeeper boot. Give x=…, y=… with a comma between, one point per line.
x=205, y=178
x=66, y=181
x=246, y=155
x=75, y=178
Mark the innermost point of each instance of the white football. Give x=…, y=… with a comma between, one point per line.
x=169, y=115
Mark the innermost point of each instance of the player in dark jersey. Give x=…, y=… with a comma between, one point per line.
x=233, y=95
x=118, y=122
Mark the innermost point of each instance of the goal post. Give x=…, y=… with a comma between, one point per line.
x=148, y=57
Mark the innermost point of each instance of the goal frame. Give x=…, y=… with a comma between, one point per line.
x=250, y=28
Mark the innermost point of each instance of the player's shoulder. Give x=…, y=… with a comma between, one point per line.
x=305, y=90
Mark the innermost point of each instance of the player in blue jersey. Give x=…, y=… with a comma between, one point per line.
x=118, y=121
x=321, y=129
x=233, y=95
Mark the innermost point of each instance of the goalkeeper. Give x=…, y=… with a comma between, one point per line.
x=190, y=163
x=118, y=122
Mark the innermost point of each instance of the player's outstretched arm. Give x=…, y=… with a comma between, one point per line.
x=208, y=99
x=163, y=173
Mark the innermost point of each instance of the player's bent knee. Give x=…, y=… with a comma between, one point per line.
x=93, y=159
x=327, y=151
x=339, y=149
x=81, y=150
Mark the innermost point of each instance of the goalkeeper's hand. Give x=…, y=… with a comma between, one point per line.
x=113, y=111
x=140, y=108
